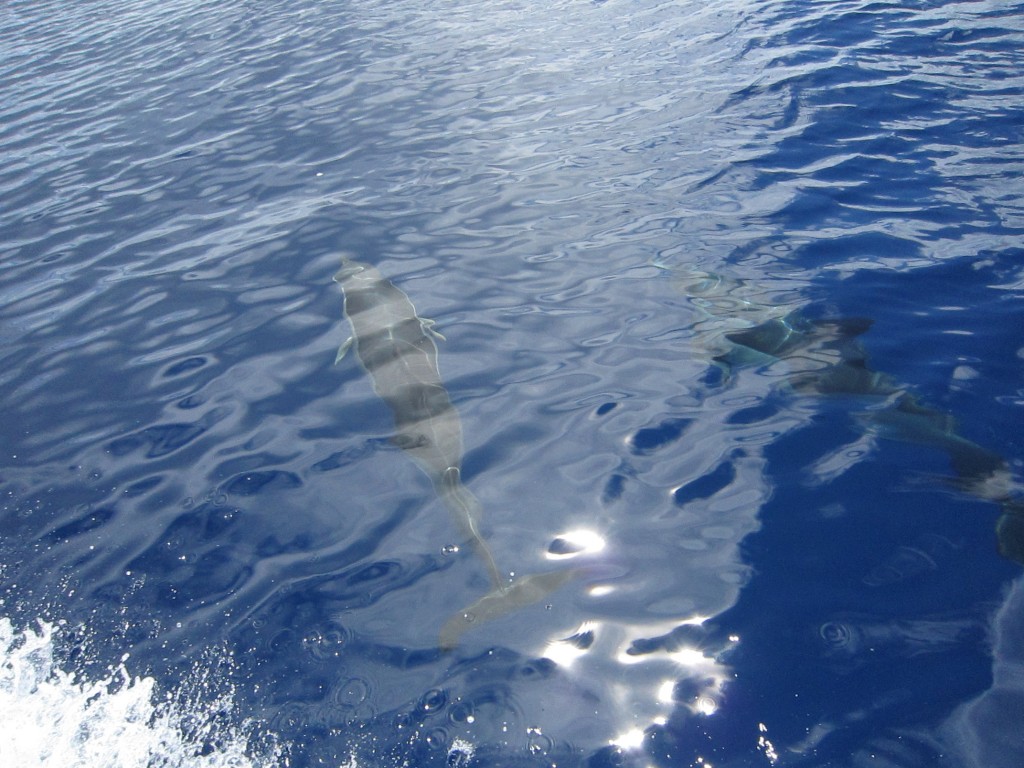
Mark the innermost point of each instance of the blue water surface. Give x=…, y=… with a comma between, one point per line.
x=595, y=202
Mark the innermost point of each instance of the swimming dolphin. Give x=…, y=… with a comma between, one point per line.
x=397, y=349
x=825, y=357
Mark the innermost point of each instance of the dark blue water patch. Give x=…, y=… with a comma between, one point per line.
x=502, y=449
x=615, y=486
x=157, y=441
x=365, y=584
x=91, y=520
x=162, y=440
x=616, y=482
x=706, y=486
x=715, y=376
x=841, y=665
x=144, y=486
x=195, y=560
x=878, y=509
x=182, y=367
x=890, y=138
x=755, y=414
x=310, y=665
x=877, y=244
x=252, y=483
x=343, y=458
x=651, y=439
x=913, y=560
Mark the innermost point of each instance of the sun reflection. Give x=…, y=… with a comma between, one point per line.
x=631, y=739
x=690, y=658
x=706, y=705
x=651, y=670
x=667, y=691
x=565, y=651
x=575, y=543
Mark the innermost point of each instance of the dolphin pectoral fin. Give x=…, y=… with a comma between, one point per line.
x=502, y=601
x=346, y=345
x=428, y=327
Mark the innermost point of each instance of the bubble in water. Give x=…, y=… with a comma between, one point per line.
x=835, y=634
x=433, y=700
x=462, y=713
x=326, y=641
x=706, y=705
x=537, y=742
x=437, y=739
x=281, y=640
x=352, y=692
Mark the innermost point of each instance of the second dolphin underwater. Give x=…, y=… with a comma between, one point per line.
x=825, y=357
x=397, y=348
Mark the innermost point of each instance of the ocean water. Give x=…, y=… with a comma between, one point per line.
x=729, y=311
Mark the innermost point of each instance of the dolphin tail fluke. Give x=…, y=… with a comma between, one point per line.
x=500, y=602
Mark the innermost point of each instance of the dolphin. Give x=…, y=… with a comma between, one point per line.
x=829, y=361
x=825, y=357
x=397, y=349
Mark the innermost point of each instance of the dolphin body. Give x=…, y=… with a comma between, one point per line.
x=397, y=349
x=825, y=357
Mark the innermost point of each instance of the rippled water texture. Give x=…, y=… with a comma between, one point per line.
x=714, y=543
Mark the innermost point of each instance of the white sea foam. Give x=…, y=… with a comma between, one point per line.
x=54, y=717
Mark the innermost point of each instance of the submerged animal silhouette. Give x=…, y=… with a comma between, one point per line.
x=825, y=357
x=397, y=349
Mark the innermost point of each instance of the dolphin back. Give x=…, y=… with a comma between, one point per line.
x=397, y=349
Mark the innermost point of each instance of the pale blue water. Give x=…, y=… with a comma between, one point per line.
x=593, y=201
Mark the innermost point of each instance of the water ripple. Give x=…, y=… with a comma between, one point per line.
x=180, y=455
